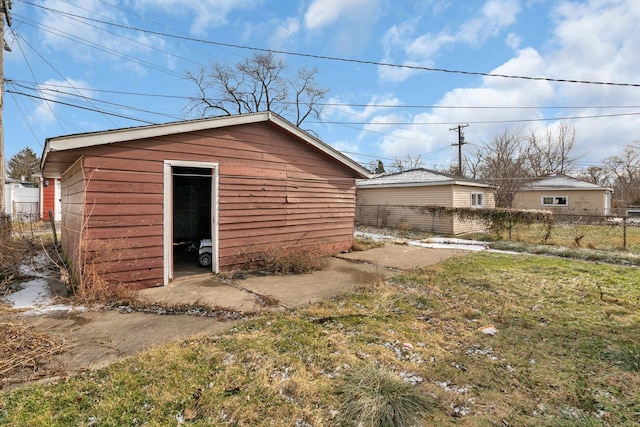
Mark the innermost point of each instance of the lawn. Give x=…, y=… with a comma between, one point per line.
x=564, y=351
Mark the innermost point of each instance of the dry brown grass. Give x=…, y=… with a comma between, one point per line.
x=93, y=289
x=24, y=352
x=292, y=260
x=360, y=244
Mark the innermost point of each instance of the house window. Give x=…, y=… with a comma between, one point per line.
x=555, y=201
x=477, y=200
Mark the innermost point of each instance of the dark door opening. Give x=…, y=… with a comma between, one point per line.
x=191, y=217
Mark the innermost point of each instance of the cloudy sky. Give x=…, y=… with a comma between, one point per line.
x=86, y=65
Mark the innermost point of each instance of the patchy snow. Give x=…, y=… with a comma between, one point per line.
x=374, y=236
x=36, y=266
x=35, y=297
x=34, y=293
x=469, y=246
x=448, y=386
x=433, y=242
x=55, y=309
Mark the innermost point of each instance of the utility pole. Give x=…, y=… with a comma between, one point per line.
x=459, y=144
x=5, y=5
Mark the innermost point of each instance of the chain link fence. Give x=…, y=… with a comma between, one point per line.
x=581, y=231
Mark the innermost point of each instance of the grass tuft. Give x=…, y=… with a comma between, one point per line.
x=628, y=355
x=373, y=396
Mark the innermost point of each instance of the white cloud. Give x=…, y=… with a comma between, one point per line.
x=69, y=90
x=375, y=105
x=322, y=13
x=284, y=31
x=419, y=50
x=598, y=40
x=430, y=133
x=513, y=41
x=350, y=22
x=206, y=12
x=89, y=42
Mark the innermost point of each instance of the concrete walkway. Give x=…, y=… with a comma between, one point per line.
x=96, y=339
x=254, y=294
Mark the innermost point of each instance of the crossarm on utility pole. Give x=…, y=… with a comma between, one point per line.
x=460, y=144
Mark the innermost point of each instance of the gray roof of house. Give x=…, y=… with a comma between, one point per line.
x=560, y=182
x=418, y=177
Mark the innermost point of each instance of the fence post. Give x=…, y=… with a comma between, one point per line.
x=377, y=215
x=5, y=227
x=53, y=226
x=624, y=233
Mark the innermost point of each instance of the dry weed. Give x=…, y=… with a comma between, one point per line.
x=94, y=289
x=24, y=352
x=292, y=261
x=360, y=244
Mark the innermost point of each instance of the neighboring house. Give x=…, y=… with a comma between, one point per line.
x=250, y=183
x=50, y=198
x=383, y=201
x=564, y=194
x=21, y=200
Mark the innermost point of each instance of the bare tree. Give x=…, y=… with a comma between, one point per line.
x=598, y=175
x=406, y=163
x=625, y=169
x=503, y=163
x=471, y=167
x=551, y=153
x=260, y=83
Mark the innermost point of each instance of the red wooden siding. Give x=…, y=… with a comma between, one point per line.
x=273, y=191
x=48, y=198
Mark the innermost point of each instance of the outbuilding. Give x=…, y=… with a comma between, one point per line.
x=563, y=194
x=389, y=200
x=134, y=199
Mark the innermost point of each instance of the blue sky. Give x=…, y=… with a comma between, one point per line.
x=375, y=111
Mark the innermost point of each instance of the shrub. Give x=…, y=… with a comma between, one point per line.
x=292, y=261
x=376, y=397
x=360, y=244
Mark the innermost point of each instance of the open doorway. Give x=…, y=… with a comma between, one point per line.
x=191, y=218
x=190, y=211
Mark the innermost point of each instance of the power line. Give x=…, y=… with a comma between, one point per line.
x=97, y=46
x=90, y=102
x=594, y=116
x=339, y=59
x=25, y=83
x=95, y=110
x=18, y=38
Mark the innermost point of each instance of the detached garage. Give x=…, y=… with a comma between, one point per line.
x=249, y=183
x=387, y=200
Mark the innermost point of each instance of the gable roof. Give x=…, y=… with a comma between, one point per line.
x=418, y=178
x=57, y=146
x=558, y=181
